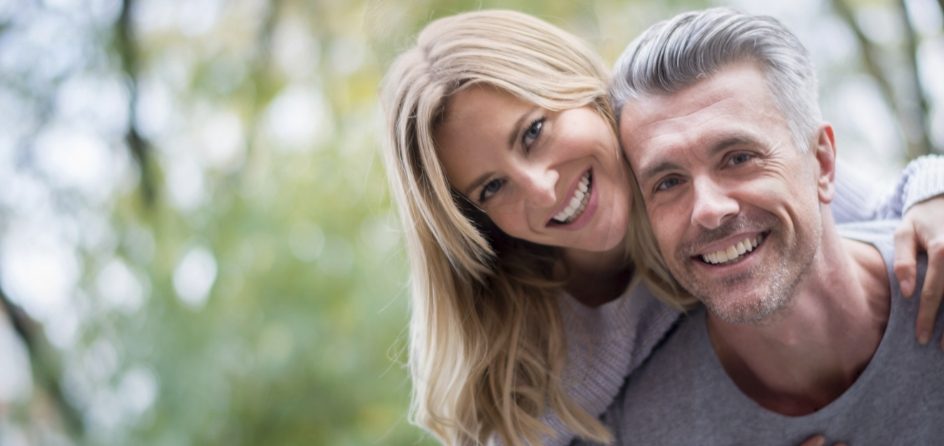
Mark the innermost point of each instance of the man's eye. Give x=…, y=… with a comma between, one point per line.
x=740, y=158
x=667, y=184
x=491, y=188
x=532, y=133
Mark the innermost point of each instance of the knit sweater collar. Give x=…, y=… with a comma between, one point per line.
x=605, y=344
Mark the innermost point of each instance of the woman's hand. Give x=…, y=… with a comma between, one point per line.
x=922, y=229
x=818, y=440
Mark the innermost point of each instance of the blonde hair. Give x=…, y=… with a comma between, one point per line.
x=649, y=264
x=487, y=348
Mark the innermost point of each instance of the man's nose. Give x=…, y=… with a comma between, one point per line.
x=539, y=184
x=712, y=204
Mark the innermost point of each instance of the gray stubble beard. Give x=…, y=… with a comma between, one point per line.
x=781, y=286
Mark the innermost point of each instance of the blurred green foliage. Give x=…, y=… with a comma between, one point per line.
x=263, y=293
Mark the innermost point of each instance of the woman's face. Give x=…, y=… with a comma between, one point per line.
x=552, y=178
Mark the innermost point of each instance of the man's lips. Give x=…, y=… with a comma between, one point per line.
x=732, y=249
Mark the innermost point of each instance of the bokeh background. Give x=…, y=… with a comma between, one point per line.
x=196, y=242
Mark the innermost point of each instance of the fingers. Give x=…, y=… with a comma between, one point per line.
x=906, y=246
x=933, y=289
x=817, y=440
x=922, y=225
x=931, y=292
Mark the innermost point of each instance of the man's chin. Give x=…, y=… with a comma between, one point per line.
x=737, y=315
x=741, y=308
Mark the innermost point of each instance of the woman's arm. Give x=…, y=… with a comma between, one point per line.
x=922, y=229
x=918, y=201
x=921, y=179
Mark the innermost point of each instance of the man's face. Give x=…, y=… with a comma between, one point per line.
x=734, y=205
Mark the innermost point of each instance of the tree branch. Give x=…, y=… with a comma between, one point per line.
x=918, y=100
x=139, y=147
x=260, y=78
x=46, y=371
x=911, y=119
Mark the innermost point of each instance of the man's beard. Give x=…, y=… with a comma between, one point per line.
x=775, y=282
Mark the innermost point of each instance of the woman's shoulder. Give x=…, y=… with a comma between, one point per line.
x=606, y=343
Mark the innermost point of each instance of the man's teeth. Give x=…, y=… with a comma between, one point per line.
x=577, y=203
x=733, y=252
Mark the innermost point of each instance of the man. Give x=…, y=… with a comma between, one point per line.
x=799, y=330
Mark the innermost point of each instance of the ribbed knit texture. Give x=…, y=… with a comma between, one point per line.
x=925, y=181
x=604, y=345
x=857, y=199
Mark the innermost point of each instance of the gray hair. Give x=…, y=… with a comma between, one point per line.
x=678, y=52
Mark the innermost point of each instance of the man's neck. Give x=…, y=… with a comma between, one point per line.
x=806, y=355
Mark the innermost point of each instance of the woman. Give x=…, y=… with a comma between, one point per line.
x=509, y=264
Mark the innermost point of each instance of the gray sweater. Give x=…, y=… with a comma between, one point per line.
x=607, y=343
x=682, y=394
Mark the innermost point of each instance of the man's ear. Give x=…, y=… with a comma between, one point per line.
x=825, y=151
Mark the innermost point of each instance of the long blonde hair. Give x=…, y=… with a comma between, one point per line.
x=487, y=349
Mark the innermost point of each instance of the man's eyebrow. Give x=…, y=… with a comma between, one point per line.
x=658, y=168
x=724, y=143
x=734, y=139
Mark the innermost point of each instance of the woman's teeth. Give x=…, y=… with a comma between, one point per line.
x=733, y=252
x=577, y=203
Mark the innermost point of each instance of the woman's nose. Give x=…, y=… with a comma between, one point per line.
x=540, y=185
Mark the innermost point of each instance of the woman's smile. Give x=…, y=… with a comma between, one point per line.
x=577, y=203
x=549, y=177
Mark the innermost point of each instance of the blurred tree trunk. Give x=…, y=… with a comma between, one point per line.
x=44, y=364
x=917, y=100
x=910, y=103
x=262, y=83
x=126, y=44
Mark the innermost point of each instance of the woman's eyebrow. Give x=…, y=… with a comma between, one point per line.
x=476, y=183
x=513, y=134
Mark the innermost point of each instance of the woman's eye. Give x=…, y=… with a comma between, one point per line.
x=667, y=184
x=491, y=188
x=532, y=133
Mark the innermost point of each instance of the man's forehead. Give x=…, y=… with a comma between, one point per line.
x=723, y=85
x=654, y=127
x=734, y=100
x=667, y=108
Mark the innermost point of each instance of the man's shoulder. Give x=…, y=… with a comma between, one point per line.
x=879, y=233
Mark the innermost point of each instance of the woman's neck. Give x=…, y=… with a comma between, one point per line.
x=595, y=278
